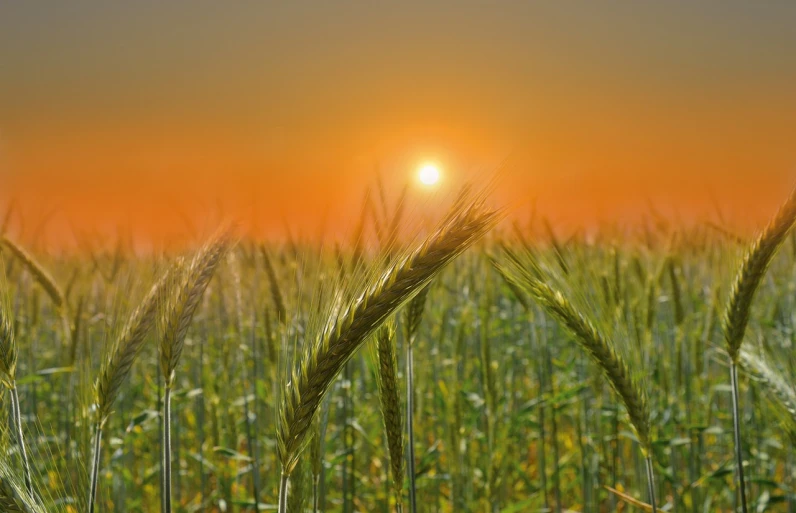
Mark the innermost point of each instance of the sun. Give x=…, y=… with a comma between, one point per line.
x=428, y=174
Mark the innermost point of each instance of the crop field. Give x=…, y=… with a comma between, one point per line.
x=477, y=365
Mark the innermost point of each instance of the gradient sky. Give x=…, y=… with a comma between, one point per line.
x=148, y=112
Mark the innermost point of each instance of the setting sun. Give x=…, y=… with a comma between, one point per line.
x=428, y=174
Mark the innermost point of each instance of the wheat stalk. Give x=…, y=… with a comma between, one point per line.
x=116, y=367
x=345, y=331
x=739, y=307
x=176, y=313
x=751, y=272
x=46, y=281
x=413, y=316
x=39, y=273
x=177, y=310
x=602, y=351
x=122, y=354
x=391, y=406
x=316, y=458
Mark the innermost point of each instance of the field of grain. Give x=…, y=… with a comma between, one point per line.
x=476, y=367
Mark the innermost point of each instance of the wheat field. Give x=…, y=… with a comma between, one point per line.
x=481, y=365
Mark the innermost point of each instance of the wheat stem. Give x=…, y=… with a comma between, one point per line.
x=414, y=314
x=177, y=312
x=736, y=429
x=284, y=482
x=23, y=452
x=92, y=497
x=739, y=307
x=650, y=482
x=166, y=448
x=410, y=404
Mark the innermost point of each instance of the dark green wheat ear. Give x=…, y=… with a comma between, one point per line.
x=387, y=378
x=751, y=272
x=348, y=328
x=414, y=313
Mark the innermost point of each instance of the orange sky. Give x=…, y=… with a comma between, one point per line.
x=145, y=114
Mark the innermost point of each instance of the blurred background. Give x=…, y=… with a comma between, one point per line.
x=153, y=116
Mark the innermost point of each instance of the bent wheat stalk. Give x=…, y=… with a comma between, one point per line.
x=46, y=281
x=39, y=273
x=602, y=351
x=176, y=313
x=739, y=307
x=348, y=328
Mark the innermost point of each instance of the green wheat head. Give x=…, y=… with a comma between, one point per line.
x=753, y=268
x=347, y=328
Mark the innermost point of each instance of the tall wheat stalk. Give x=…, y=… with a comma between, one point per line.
x=739, y=307
x=412, y=318
x=177, y=307
x=347, y=328
x=115, y=369
x=601, y=350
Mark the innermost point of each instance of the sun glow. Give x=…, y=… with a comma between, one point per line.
x=428, y=174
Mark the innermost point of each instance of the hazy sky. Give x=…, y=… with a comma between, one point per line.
x=130, y=111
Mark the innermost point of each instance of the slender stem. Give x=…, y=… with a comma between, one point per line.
x=651, y=483
x=736, y=424
x=160, y=435
x=410, y=430
x=95, y=467
x=283, y=486
x=252, y=452
x=540, y=374
x=20, y=439
x=166, y=448
x=554, y=432
x=315, y=484
x=347, y=447
x=249, y=435
x=201, y=412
